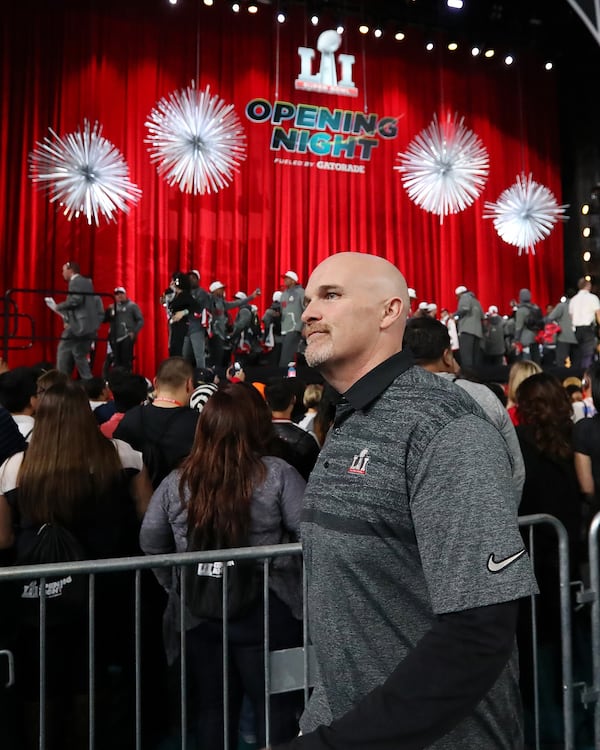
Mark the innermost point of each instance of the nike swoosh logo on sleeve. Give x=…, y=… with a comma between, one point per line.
x=495, y=566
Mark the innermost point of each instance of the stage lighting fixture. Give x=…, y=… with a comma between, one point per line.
x=456, y=4
x=281, y=17
x=399, y=36
x=173, y=2
x=586, y=232
x=475, y=51
x=208, y=2
x=452, y=46
x=509, y=60
x=587, y=256
x=585, y=209
x=548, y=66
x=339, y=28
x=363, y=28
x=429, y=46
x=489, y=53
x=252, y=8
x=235, y=7
x=587, y=278
x=314, y=20
x=378, y=33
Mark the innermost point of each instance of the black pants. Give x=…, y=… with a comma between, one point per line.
x=123, y=353
x=245, y=676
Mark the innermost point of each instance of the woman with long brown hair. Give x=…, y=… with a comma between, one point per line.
x=73, y=478
x=545, y=429
x=233, y=495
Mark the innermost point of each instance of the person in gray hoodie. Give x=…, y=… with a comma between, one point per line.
x=565, y=339
x=524, y=335
x=470, y=328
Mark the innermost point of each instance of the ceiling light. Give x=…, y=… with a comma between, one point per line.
x=475, y=51
x=340, y=29
x=456, y=4
x=253, y=8
x=588, y=278
x=587, y=256
x=314, y=20
x=585, y=209
x=281, y=17
x=363, y=29
x=509, y=59
x=429, y=46
x=489, y=53
x=548, y=66
x=208, y=2
x=399, y=36
x=586, y=232
x=378, y=33
x=235, y=7
x=453, y=46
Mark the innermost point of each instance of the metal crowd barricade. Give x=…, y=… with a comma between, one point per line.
x=593, y=596
x=283, y=671
x=530, y=523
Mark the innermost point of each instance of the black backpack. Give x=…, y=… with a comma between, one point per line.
x=66, y=595
x=535, y=319
x=204, y=582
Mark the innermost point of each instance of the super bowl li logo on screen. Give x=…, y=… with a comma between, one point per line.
x=299, y=131
x=325, y=81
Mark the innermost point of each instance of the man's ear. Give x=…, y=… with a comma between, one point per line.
x=448, y=359
x=391, y=311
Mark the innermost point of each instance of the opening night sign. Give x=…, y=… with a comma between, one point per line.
x=317, y=130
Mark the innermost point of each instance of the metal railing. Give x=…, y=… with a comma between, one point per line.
x=566, y=632
x=93, y=568
x=592, y=596
x=297, y=664
x=19, y=329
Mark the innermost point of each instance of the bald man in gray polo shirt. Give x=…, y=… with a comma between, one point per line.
x=414, y=559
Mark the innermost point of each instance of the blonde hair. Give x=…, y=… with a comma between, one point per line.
x=312, y=395
x=519, y=372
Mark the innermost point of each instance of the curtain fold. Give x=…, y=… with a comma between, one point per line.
x=112, y=61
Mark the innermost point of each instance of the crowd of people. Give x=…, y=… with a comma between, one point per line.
x=207, y=329
x=562, y=335
x=402, y=476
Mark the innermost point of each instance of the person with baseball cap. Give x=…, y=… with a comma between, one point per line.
x=470, y=328
x=126, y=321
x=220, y=319
x=292, y=306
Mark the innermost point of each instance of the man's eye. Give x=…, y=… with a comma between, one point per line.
x=332, y=295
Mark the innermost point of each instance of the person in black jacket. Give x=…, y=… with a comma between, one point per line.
x=300, y=448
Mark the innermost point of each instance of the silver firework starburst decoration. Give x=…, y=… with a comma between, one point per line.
x=84, y=172
x=525, y=213
x=444, y=169
x=197, y=140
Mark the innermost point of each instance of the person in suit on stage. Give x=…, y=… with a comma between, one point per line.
x=81, y=316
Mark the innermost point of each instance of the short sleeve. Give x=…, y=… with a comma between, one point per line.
x=464, y=508
x=130, y=458
x=9, y=471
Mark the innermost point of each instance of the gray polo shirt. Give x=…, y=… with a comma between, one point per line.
x=412, y=501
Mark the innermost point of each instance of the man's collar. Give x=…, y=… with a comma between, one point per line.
x=374, y=383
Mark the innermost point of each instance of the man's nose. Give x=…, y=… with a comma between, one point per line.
x=308, y=313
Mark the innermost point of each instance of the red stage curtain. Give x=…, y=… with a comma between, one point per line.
x=112, y=61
